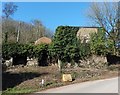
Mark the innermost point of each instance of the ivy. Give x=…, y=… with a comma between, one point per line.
x=65, y=44
x=98, y=43
x=12, y=49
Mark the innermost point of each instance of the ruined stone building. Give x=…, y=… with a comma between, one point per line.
x=84, y=33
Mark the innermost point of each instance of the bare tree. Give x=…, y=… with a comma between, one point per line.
x=39, y=29
x=48, y=33
x=22, y=32
x=9, y=9
x=106, y=15
x=9, y=28
x=25, y=33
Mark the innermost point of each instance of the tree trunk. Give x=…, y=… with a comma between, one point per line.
x=114, y=47
x=6, y=37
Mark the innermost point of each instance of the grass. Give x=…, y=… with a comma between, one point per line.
x=16, y=91
x=27, y=82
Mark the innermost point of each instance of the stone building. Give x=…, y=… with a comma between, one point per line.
x=84, y=33
x=42, y=40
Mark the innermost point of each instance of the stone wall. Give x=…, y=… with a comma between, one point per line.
x=95, y=62
x=32, y=62
x=84, y=33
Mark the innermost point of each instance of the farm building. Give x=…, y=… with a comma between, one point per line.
x=84, y=33
x=42, y=40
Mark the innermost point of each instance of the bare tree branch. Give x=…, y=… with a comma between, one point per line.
x=106, y=15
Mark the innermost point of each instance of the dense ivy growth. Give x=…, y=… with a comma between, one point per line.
x=41, y=52
x=98, y=43
x=12, y=49
x=85, y=50
x=65, y=44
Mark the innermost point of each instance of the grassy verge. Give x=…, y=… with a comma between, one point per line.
x=16, y=91
x=27, y=82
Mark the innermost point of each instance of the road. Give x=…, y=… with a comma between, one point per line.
x=98, y=86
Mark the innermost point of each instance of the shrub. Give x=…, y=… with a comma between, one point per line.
x=25, y=50
x=13, y=49
x=85, y=50
x=40, y=49
x=65, y=44
x=41, y=52
x=98, y=43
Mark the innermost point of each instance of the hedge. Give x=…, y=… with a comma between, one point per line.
x=12, y=49
x=65, y=44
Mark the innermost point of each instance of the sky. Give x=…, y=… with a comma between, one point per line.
x=53, y=14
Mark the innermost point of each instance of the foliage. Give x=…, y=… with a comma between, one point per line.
x=65, y=44
x=85, y=50
x=110, y=46
x=101, y=44
x=98, y=43
x=29, y=50
x=12, y=49
x=40, y=50
x=72, y=53
x=106, y=16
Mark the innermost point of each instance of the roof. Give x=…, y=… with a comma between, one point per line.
x=89, y=27
x=86, y=26
x=86, y=31
x=42, y=40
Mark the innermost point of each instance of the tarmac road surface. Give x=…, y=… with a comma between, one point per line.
x=97, y=86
